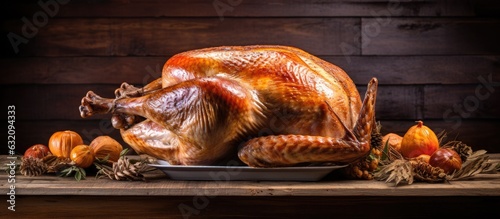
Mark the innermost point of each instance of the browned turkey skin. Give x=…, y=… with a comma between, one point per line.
x=270, y=105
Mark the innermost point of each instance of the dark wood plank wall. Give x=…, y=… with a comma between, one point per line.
x=437, y=61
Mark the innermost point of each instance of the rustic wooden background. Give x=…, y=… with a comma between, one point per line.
x=437, y=61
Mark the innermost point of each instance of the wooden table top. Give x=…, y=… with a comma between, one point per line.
x=159, y=184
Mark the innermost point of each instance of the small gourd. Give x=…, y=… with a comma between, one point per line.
x=393, y=140
x=105, y=146
x=82, y=156
x=62, y=142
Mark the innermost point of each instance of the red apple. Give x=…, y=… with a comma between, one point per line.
x=37, y=151
x=446, y=159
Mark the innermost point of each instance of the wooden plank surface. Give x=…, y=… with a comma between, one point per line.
x=254, y=8
x=426, y=36
x=164, y=36
x=482, y=185
x=390, y=70
x=252, y=207
x=50, y=196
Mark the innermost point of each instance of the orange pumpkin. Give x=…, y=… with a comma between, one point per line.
x=419, y=139
x=62, y=142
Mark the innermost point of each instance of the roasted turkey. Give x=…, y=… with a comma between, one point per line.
x=268, y=105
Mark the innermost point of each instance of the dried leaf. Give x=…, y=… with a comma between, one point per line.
x=441, y=136
x=399, y=171
x=475, y=164
x=492, y=167
x=56, y=164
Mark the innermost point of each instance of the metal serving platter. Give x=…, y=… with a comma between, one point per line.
x=227, y=173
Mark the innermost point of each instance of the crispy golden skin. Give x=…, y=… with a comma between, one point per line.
x=270, y=105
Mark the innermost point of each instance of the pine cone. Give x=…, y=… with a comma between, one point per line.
x=358, y=170
x=32, y=167
x=461, y=148
x=425, y=172
x=56, y=164
x=376, y=137
x=123, y=169
x=364, y=168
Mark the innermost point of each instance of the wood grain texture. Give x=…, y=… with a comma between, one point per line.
x=82, y=70
x=254, y=8
x=465, y=101
x=410, y=70
x=168, y=36
x=46, y=102
x=426, y=36
x=160, y=185
x=245, y=207
x=390, y=70
x=397, y=102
